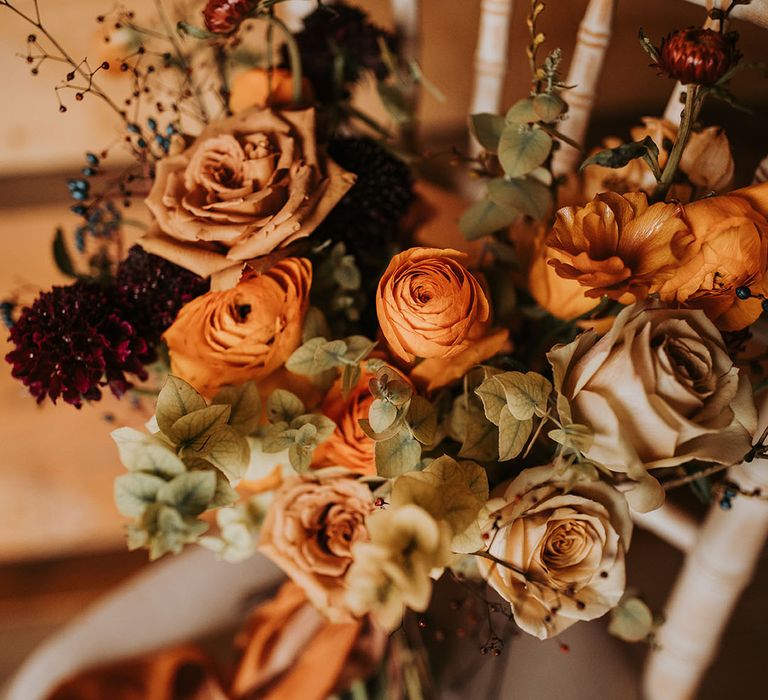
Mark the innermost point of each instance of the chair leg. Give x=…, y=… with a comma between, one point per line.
x=715, y=573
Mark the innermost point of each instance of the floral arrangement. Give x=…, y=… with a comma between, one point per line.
x=373, y=412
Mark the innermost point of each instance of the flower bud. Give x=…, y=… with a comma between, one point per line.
x=700, y=56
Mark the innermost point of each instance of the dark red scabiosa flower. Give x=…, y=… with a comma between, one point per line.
x=72, y=341
x=152, y=290
x=699, y=56
x=224, y=16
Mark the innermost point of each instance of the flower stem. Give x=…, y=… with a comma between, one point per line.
x=690, y=112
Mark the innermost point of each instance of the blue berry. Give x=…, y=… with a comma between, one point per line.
x=152, y=124
x=743, y=293
x=92, y=159
x=134, y=128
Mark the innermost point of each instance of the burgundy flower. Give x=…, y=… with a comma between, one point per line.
x=72, y=341
x=225, y=16
x=700, y=56
x=152, y=290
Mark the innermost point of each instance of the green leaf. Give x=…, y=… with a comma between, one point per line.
x=549, y=108
x=526, y=394
x=484, y=218
x=487, y=129
x=282, y=405
x=574, y=436
x=278, y=441
x=479, y=437
x=194, y=427
x=422, y=419
x=346, y=274
x=224, y=495
x=227, y=450
x=523, y=148
x=315, y=325
x=143, y=453
x=381, y=415
x=245, y=402
x=196, y=32
x=631, y=620
x=349, y=378
x=358, y=347
x=397, y=455
x=135, y=491
x=513, y=434
x=302, y=360
x=323, y=425
x=625, y=153
x=522, y=112
x=176, y=399
x=394, y=102
x=300, y=457
x=189, y=493
x=491, y=393
x=521, y=196
x=61, y=255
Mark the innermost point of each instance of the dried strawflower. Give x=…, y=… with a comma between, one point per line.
x=699, y=56
x=225, y=16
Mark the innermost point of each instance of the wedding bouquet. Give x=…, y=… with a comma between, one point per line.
x=376, y=413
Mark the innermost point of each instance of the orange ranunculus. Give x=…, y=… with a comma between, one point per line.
x=257, y=88
x=247, y=186
x=349, y=446
x=243, y=333
x=619, y=244
x=731, y=234
x=430, y=306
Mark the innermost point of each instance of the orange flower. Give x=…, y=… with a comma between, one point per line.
x=244, y=333
x=349, y=446
x=731, y=234
x=256, y=88
x=430, y=306
x=620, y=244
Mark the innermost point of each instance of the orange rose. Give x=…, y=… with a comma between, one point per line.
x=252, y=88
x=731, y=234
x=244, y=333
x=430, y=306
x=248, y=185
x=619, y=244
x=349, y=446
x=310, y=528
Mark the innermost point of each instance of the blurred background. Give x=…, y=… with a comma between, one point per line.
x=61, y=540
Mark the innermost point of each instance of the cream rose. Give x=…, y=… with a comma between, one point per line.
x=562, y=548
x=657, y=390
x=310, y=529
x=247, y=185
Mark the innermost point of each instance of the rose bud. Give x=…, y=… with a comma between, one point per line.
x=225, y=16
x=700, y=56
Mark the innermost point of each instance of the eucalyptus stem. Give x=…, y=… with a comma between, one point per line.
x=294, y=56
x=690, y=112
x=690, y=478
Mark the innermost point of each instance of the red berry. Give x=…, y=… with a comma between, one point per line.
x=225, y=16
x=700, y=56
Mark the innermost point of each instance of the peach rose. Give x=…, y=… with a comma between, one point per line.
x=619, y=244
x=659, y=389
x=247, y=185
x=430, y=306
x=349, y=446
x=243, y=333
x=257, y=88
x=310, y=528
x=565, y=545
x=731, y=236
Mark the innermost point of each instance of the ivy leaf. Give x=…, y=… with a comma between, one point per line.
x=485, y=217
x=193, y=428
x=144, y=453
x=513, y=434
x=189, y=493
x=522, y=149
x=135, y=491
x=625, y=153
x=487, y=129
x=177, y=398
x=631, y=620
x=422, y=419
x=245, y=404
x=282, y=405
x=526, y=394
x=397, y=455
x=521, y=195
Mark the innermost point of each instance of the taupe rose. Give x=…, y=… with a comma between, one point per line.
x=562, y=548
x=247, y=185
x=657, y=390
x=310, y=529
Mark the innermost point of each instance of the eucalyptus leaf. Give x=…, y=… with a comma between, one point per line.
x=381, y=415
x=397, y=455
x=283, y=405
x=189, y=493
x=468, y=425
x=350, y=376
x=491, y=393
x=522, y=112
x=245, y=404
x=548, y=107
x=315, y=325
x=358, y=347
x=194, y=428
x=302, y=360
x=177, y=398
x=143, y=453
x=513, y=434
x=324, y=426
x=487, y=129
x=278, y=442
x=135, y=491
x=224, y=495
x=523, y=148
x=422, y=419
x=228, y=450
x=483, y=218
x=631, y=620
x=521, y=196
